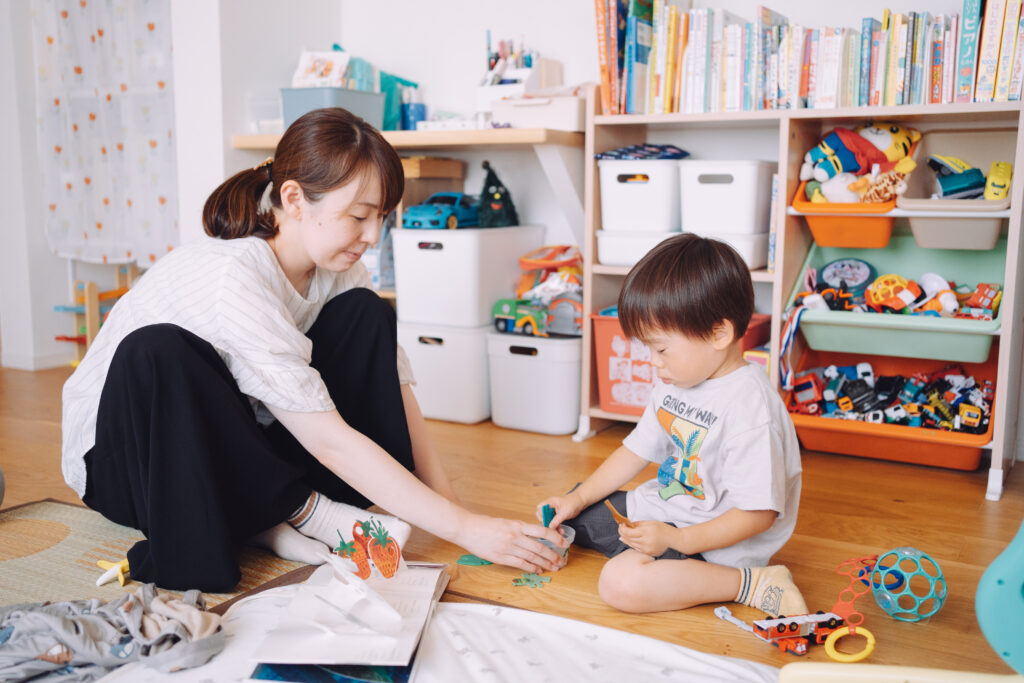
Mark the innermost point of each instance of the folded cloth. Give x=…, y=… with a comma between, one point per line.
x=83, y=640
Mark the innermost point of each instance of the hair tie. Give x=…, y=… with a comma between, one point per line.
x=265, y=163
x=266, y=204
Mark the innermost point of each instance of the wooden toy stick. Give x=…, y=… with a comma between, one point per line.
x=617, y=516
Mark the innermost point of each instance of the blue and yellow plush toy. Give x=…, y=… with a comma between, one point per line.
x=855, y=151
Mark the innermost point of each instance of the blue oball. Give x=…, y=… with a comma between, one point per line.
x=908, y=584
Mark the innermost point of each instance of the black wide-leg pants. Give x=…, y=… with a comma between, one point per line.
x=180, y=456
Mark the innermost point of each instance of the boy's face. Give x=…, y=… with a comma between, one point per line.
x=685, y=361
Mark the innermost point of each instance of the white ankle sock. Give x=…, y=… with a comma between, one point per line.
x=771, y=590
x=287, y=543
x=323, y=519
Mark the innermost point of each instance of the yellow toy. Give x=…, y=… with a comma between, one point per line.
x=857, y=151
x=997, y=185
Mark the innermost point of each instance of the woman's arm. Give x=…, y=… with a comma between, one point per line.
x=429, y=469
x=365, y=466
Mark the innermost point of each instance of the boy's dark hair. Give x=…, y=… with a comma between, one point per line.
x=322, y=150
x=687, y=284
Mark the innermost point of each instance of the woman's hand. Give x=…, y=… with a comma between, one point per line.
x=509, y=542
x=648, y=537
x=565, y=507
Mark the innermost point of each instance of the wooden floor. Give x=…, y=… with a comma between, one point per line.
x=851, y=508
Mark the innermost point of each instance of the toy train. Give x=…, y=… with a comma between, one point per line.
x=793, y=634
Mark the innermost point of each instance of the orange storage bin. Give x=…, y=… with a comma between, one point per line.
x=917, y=445
x=625, y=376
x=846, y=225
x=624, y=373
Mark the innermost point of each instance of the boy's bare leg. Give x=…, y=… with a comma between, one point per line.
x=634, y=582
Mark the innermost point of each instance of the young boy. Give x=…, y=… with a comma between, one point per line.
x=728, y=485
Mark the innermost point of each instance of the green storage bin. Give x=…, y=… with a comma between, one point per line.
x=911, y=336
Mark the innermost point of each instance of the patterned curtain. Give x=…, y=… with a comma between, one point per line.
x=105, y=116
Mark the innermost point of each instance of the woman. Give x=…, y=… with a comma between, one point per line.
x=252, y=386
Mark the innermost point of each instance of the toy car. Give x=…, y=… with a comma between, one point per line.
x=997, y=185
x=443, y=210
x=520, y=316
x=565, y=315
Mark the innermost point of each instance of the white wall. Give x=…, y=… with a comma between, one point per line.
x=32, y=279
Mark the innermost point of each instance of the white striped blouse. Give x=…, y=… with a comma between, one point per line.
x=233, y=294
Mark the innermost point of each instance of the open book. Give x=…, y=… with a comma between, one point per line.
x=376, y=622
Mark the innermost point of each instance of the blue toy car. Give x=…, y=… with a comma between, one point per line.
x=443, y=210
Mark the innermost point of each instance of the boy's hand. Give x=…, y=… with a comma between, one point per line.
x=648, y=537
x=565, y=507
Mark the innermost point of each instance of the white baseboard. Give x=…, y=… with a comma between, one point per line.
x=24, y=361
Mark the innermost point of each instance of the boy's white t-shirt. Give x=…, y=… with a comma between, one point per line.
x=234, y=295
x=726, y=443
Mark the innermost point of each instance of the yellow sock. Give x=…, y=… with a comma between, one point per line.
x=771, y=590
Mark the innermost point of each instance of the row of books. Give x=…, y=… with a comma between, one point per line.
x=660, y=56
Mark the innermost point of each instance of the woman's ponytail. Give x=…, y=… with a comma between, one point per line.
x=237, y=208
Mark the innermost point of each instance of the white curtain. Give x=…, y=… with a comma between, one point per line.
x=105, y=116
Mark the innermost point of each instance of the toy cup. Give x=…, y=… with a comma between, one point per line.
x=569, y=534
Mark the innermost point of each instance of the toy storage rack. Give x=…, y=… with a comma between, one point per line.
x=91, y=306
x=791, y=133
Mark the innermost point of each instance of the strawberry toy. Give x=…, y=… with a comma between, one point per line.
x=357, y=553
x=383, y=550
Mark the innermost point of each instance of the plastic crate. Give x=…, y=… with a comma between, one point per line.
x=639, y=195
x=535, y=382
x=625, y=376
x=450, y=366
x=910, y=336
x=948, y=227
x=846, y=225
x=900, y=443
x=725, y=198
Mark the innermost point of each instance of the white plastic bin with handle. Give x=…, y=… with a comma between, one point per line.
x=535, y=382
x=450, y=367
x=725, y=197
x=639, y=195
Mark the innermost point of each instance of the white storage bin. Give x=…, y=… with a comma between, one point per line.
x=453, y=277
x=559, y=113
x=725, y=197
x=450, y=366
x=639, y=195
x=535, y=382
x=626, y=248
x=753, y=248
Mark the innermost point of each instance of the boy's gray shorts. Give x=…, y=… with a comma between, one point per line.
x=596, y=528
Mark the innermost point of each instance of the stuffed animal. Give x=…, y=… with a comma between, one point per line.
x=496, y=207
x=839, y=188
x=856, y=151
x=886, y=186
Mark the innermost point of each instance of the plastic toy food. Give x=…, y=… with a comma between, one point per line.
x=442, y=210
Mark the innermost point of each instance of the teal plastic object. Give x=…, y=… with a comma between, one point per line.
x=911, y=336
x=999, y=603
x=898, y=582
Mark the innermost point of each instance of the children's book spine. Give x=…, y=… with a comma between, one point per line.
x=938, y=32
x=852, y=69
x=812, y=68
x=601, y=12
x=921, y=64
x=889, y=97
x=750, y=74
x=901, y=63
x=796, y=63
x=773, y=70
x=805, y=67
x=682, y=44
x=1007, y=46
x=949, y=62
x=627, y=77
x=874, y=85
x=988, y=50
x=868, y=27
x=664, y=103
x=773, y=222
x=1017, y=78
x=967, y=51
x=641, y=64
x=784, y=67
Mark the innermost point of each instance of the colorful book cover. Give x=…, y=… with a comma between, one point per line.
x=682, y=44
x=749, y=72
x=783, y=68
x=805, y=67
x=851, y=69
x=988, y=50
x=1017, y=78
x=922, y=58
x=868, y=30
x=627, y=68
x=601, y=12
x=901, y=61
x=773, y=223
x=638, y=26
x=763, y=19
x=952, y=55
x=732, y=81
x=877, y=55
x=670, y=60
x=652, y=65
x=795, y=64
x=967, y=51
x=617, y=49
x=938, y=34
x=812, y=67
x=1006, y=50
x=889, y=92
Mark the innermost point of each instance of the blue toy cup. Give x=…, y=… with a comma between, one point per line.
x=413, y=113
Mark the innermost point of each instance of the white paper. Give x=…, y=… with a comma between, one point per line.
x=300, y=637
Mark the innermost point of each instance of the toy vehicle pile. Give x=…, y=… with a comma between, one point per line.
x=948, y=399
x=549, y=296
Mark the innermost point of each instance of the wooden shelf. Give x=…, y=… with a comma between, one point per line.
x=755, y=275
x=440, y=139
x=606, y=415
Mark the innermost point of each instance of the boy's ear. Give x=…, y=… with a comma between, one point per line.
x=722, y=334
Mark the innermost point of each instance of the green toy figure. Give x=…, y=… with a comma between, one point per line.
x=496, y=207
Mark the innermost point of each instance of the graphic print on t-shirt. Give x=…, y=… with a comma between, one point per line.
x=678, y=474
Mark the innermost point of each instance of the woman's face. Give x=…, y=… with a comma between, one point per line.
x=343, y=224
